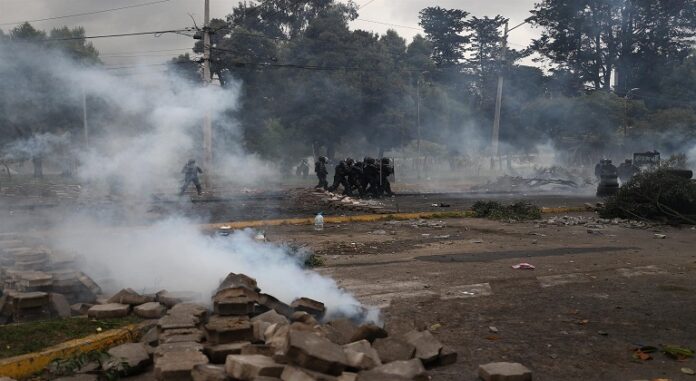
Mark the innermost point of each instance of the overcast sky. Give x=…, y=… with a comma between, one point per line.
x=174, y=14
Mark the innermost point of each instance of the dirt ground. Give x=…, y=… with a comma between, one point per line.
x=591, y=299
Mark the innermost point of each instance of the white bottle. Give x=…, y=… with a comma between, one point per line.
x=319, y=222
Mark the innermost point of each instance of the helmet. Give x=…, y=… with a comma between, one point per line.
x=192, y=161
x=322, y=159
x=369, y=160
x=350, y=161
x=385, y=160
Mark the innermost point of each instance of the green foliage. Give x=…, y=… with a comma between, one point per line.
x=660, y=196
x=18, y=339
x=518, y=211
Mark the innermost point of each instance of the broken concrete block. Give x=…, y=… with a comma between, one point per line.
x=233, y=306
x=292, y=373
x=260, y=328
x=59, y=305
x=316, y=353
x=182, y=347
x=394, y=349
x=410, y=370
x=427, y=346
x=177, y=366
x=179, y=321
x=109, y=311
x=80, y=308
x=218, y=353
x=249, y=367
x=223, y=330
x=89, y=284
x=190, y=309
x=303, y=317
x=504, y=371
x=446, y=357
x=207, y=372
x=341, y=331
x=271, y=317
x=150, y=310
x=77, y=377
x=194, y=335
x=233, y=280
x=26, y=300
x=361, y=355
x=369, y=332
x=258, y=349
x=268, y=302
x=172, y=298
x=310, y=306
x=347, y=376
x=151, y=337
x=33, y=281
x=129, y=296
x=133, y=355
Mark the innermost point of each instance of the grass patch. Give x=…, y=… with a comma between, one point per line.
x=19, y=339
x=519, y=211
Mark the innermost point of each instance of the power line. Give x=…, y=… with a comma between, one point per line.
x=116, y=54
x=88, y=13
x=366, y=4
x=142, y=54
x=155, y=33
x=389, y=24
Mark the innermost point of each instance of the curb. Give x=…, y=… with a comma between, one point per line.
x=368, y=218
x=31, y=363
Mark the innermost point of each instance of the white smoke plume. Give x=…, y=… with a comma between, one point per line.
x=151, y=129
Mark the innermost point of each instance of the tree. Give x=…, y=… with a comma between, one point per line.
x=444, y=28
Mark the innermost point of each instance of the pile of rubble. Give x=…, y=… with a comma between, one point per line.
x=522, y=184
x=342, y=202
x=253, y=336
x=37, y=283
x=595, y=223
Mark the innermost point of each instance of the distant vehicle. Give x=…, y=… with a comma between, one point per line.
x=646, y=161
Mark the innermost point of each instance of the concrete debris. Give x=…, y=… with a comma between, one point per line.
x=177, y=366
x=218, y=353
x=233, y=280
x=80, y=308
x=291, y=373
x=183, y=347
x=595, y=223
x=394, y=349
x=369, y=332
x=361, y=355
x=310, y=306
x=271, y=317
x=504, y=371
x=313, y=352
x=341, y=331
x=258, y=349
x=427, y=346
x=133, y=355
x=129, y=296
x=223, y=330
x=249, y=367
x=59, y=305
x=150, y=310
x=409, y=370
x=207, y=372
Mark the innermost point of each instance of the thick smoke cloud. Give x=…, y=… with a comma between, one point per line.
x=148, y=128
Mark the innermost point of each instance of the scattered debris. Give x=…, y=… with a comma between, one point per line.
x=504, y=371
x=523, y=266
x=659, y=236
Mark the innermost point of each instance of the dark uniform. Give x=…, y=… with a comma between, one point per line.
x=608, y=179
x=626, y=171
x=320, y=170
x=191, y=171
x=341, y=177
x=356, y=178
x=371, y=176
x=386, y=170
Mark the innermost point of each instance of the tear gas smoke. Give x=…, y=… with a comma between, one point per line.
x=147, y=126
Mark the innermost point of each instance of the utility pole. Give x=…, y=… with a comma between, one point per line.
x=499, y=100
x=499, y=96
x=207, y=79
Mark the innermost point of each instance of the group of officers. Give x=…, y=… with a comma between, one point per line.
x=608, y=175
x=369, y=177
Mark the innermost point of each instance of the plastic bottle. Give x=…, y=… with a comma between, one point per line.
x=319, y=222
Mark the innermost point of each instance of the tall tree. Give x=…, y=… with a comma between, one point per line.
x=444, y=28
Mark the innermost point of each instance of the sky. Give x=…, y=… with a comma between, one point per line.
x=176, y=14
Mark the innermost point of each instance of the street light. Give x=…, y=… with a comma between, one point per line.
x=626, y=98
